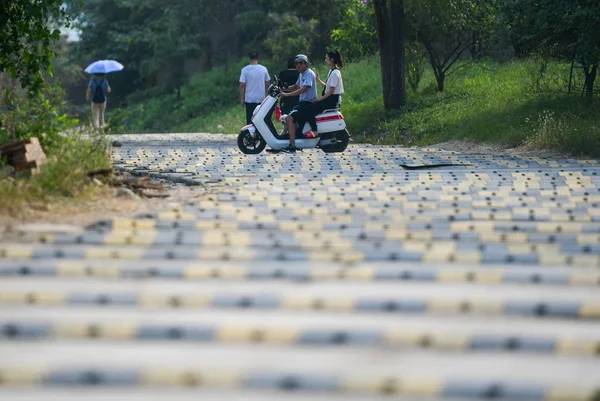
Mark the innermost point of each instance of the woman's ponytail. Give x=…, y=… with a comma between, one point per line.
x=337, y=58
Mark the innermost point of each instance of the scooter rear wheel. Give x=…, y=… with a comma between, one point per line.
x=342, y=138
x=249, y=144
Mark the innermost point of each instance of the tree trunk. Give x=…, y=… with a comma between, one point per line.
x=590, y=78
x=207, y=46
x=398, y=67
x=438, y=70
x=391, y=31
x=381, y=13
x=441, y=79
x=517, y=47
x=440, y=76
x=475, y=48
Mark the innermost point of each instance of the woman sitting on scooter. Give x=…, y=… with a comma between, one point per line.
x=334, y=87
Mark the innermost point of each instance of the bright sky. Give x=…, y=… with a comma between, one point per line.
x=72, y=34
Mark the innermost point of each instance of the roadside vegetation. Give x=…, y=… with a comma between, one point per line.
x=503, y=103
x=63, y=178
x=72, y=151
x=35, y=77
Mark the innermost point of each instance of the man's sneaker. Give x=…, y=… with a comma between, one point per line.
x=289, y=149
x=273, y=150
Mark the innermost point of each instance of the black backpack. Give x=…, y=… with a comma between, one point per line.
x=99, y=96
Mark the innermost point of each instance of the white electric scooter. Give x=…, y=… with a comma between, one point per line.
x=253, y=138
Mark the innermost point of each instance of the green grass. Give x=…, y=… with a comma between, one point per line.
x=483, y=102
x=63, y=178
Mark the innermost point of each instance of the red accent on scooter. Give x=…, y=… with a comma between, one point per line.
x=330, y=118
x=278, y=113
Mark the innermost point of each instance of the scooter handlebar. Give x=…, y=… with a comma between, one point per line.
x=274, y=90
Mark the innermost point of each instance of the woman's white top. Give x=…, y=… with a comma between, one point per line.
x=334, y=80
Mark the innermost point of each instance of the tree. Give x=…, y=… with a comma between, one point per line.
x=251, y=31
x=152, y=40
x=586, y=38
x=285, y=42
x=448, y=28
x=391, y=32
x=162, y=44
x=416, y=60
x=326, y=13
x=26, y=39
x=356, y=32
x=172, y=43
x=568, y=30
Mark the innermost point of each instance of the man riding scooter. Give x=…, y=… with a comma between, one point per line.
x=306, y=88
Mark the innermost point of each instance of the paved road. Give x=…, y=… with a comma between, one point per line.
x=380, y=272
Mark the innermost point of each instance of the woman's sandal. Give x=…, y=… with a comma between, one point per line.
x=311, y=134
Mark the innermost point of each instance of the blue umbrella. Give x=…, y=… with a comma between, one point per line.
x=104, y=67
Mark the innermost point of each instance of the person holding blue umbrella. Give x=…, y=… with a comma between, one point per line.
x=99, y=88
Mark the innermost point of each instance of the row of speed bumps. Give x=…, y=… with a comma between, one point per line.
x=377, y=273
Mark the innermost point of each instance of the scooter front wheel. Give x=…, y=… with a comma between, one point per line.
x=250, y=144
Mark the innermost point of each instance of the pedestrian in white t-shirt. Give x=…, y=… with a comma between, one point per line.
x=254, y=81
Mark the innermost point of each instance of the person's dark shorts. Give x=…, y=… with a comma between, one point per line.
x=287, y=104
x=302, y=112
